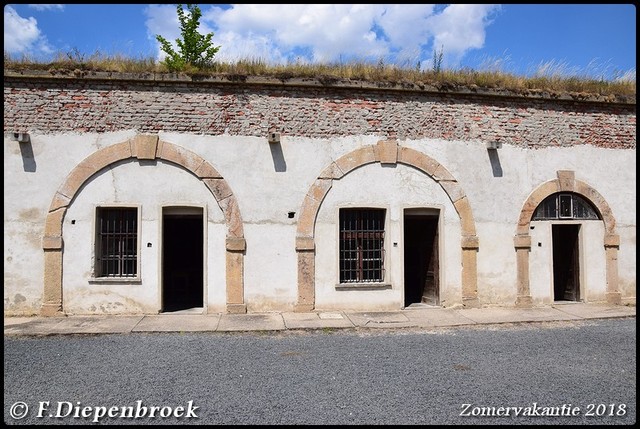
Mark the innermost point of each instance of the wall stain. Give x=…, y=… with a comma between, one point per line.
x=32, y=215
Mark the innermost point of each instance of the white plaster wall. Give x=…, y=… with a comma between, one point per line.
x=541, y=262
x=32, y=173
x=496, y=262
x=593, y=261
x=271, y=181
x=270, y=267
x=23, y=263
x=149, y=186
x=627, y=268
x=394, y=189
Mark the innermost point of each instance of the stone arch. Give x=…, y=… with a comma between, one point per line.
x=565, y=182
x=142, y=147
x=384, y=152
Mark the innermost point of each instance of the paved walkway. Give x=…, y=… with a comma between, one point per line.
x=420, y=317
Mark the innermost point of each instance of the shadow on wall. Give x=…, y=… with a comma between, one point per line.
x=28, y=159
x=494, y=159
x=278, y=157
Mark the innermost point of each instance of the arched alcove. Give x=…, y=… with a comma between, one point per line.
x=142, y=147
x=565, y=182
x=390, y=153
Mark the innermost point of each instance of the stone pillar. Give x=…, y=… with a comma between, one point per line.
x=611, y=245
x=52, y=299
x=235, y=275
x=470, y=271
x=522, y=244
x=305, y=248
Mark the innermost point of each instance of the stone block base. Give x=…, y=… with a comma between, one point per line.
x=236, y=308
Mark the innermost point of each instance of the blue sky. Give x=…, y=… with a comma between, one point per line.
x=595, y=40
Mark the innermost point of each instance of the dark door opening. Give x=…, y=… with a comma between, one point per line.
x=566, y=269
x=182, y=261
x=421, y=258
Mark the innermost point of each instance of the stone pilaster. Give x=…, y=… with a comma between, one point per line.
x=235, y=275
x=522, y=244
x=611, y=246
x=470, y=245
x=306, y=274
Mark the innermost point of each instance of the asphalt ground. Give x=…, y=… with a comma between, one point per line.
x=582, y=371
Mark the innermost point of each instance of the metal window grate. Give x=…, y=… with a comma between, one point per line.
x=117, y=244
x=565, y=206
x=361, y=245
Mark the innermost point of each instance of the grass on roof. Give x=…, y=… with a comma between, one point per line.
x=551, y=77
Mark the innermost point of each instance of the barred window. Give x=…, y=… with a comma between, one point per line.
x=565, y=205
x=117, y=242
x=361, y=245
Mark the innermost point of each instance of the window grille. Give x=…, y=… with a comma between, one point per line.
x=117, y=243
x=361, y=245
x=565, y=206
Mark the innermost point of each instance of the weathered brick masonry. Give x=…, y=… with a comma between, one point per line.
x=312, y=108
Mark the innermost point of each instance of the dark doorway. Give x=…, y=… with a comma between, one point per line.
x=182, y=261
x=421, y=258
x=566, y=268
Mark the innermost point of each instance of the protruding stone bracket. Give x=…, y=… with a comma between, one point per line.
x=522, y=241
x=612, y=240
x=305, y=244
x=236, y=244
x=470, y=242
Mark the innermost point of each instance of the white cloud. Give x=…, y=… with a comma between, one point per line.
x=399, y=33
x=315, y=32
x=22, y=35
x=46, y=6
x=162, y=20
x=460, y=28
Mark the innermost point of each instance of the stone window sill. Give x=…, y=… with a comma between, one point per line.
x=115, y=280
x=363, y=286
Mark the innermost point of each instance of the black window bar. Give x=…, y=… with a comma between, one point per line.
x=361, y=245
x=117, y=247
x=562, y=206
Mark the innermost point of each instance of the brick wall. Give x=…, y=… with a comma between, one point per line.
x=61, y=105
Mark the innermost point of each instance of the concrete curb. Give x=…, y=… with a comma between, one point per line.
x=422, y=318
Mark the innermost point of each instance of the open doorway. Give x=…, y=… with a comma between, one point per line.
x=182, y=258
x=421, y=257
x=566, y=268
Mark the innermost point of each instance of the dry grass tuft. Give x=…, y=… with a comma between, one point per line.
x=550, y=76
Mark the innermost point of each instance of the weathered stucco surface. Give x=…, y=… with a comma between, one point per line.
x=312, y=167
